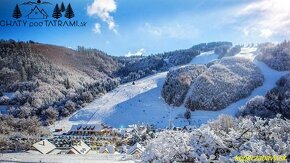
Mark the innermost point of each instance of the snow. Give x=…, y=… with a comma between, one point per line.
x=205, y=58
x=142, y=103
x=74, y=158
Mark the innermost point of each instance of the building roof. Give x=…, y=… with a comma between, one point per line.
x=44, y=146
x=86, y=127
x=135, y=147
x=107, y=148
x=72, y=151
x=81, y=148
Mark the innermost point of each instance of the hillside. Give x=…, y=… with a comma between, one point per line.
x=47, y=84
x=276, y=101
x=51, y=82
x=224, y=82
x=134, y=68
x=275, y=56
x=143, y=103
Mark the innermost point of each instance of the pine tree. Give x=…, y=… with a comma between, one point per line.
x=69, y=12
x=17, y=13
x=187, y=115
x=56, y=12
x=67, y=83
x=62, y=8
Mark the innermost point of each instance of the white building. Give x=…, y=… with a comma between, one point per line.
x=107, y=149
x=44, y=147
x=137, y=149
x=85, y=129
x=79, y=148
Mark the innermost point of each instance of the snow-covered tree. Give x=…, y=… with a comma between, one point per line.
x=276, y=101
x=178, y=82
x=224, y=82
x=275, y=56
x=221, y=140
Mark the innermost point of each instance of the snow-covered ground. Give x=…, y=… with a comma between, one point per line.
x=142, y=103
x=205, y=58
x=88, y=158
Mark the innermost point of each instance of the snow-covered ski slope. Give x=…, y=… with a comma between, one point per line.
x=142, y=102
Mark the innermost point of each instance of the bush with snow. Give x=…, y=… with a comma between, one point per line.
x=225, y=82
x=18, y=134
x=221, y=140
x=178, y=82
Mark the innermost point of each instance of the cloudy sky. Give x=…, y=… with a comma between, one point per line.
x=128, y=27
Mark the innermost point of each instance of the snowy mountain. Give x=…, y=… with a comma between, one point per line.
x=143, y=103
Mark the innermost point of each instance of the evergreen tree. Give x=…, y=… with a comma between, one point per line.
x=17, y=13
x=56, y=12
x=62, y=8
x=67, y=83
x=69, y=12
x=187, y=115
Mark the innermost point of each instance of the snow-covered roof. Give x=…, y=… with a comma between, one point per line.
x=81, y=148
x=86, y=127
x=107, y=148
x=135, y=147
x=44, y=146
x=56, y=151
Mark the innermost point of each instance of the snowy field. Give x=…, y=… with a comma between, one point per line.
x=142, y=103
x=88, y=158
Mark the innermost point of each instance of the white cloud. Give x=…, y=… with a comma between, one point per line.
x=266, y=18
x=266, y=33
x=138, y=53
x=97, y=28
x=103, y=10
x=176, y=30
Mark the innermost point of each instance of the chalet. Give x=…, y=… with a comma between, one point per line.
x=79, y=148
x=136, y=150
x=43, y=147
x=36, y=13
x=107, y=149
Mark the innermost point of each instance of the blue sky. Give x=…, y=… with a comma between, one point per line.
x=121, y=27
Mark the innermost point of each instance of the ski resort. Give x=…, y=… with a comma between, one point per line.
x=97, y=81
